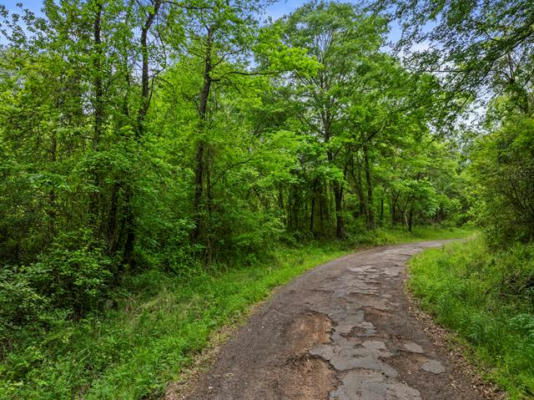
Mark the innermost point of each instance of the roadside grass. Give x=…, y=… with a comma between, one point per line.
x=487, y=298
x=393, y=236
x=158, y=323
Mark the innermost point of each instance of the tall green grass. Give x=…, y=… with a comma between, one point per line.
x=487, y=297
x=156, y=324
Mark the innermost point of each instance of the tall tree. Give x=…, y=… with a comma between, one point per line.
x=341, y=38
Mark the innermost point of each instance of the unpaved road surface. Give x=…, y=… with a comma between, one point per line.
x=343, y=331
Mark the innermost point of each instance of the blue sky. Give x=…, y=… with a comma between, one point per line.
x=283, y=7
x=34, y=5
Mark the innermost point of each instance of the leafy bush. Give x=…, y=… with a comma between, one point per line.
x=161, y=321
x=503, y=167
x=73, y=276
x=20, y=303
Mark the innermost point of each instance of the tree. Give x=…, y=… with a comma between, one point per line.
x=485, y=47
x=341, y=38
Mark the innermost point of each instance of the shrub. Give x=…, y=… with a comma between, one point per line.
x=72, y=276
x=20, y=303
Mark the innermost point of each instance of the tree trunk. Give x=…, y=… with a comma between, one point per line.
x=143, y=108
x=312, y=213
x=323, y=208
x=294, y=201
x=198, y=233
x=410, y=219
x=370, y=211
x=199, y=189
x=338, y=194
x=98, y=73
x=382, y=210
x=98, y=105
x=313, y=202
x=357, y=183
x=145, y=76
x=209, y=206
x=394, y=200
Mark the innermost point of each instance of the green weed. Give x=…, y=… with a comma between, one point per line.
x=486, y=297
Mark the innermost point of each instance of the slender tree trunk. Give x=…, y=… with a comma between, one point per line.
x=290, y=213
x=98, y=73
x=294, y=202
x=115, y=226
x=209, y=206
x=394, y=201
x=370, y=211
x=357, y=180
x=338, y=195
x=201, y=167
x=382, y=210
x=143, y=109
x=145, y=75
x=323, y=207
x=361, y=198
x=337, y=187
x=98, y=104
x=312, y=213
x=313, y=201
x=199, y=189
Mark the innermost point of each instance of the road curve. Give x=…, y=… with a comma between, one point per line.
x=342, y=331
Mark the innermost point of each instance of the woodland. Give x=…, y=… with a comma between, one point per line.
x=159, y=156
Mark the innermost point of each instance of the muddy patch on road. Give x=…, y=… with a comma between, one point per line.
x=308, y=330
x=309, y=378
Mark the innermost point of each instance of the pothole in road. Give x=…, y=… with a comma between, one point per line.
x=307, y=331
x=305, y=377
x=308, y=378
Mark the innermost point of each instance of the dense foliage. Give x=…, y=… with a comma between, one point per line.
x=202, y=136
x=485, y=50
x=485, y=289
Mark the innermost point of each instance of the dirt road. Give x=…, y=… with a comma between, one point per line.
x=343, y=331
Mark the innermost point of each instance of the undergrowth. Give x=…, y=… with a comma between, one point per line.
x=487, y=297
x=156, y=323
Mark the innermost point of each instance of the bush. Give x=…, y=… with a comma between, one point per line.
x=503, y=168
x=73, y=276
x=20, y=303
